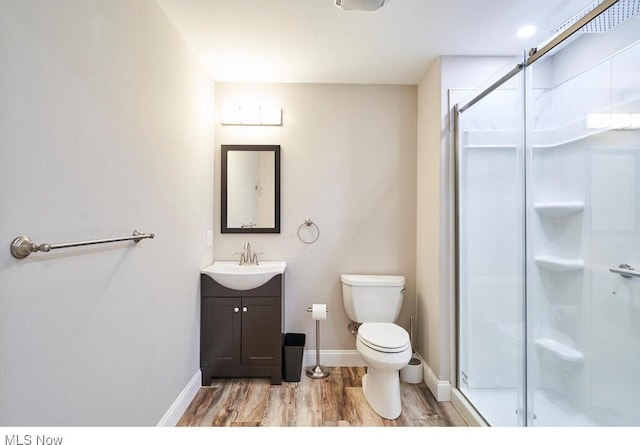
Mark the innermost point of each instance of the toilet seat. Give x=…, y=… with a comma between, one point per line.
x=384, y=337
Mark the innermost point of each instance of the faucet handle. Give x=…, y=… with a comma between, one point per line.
x=243, y=259
x=255, y=257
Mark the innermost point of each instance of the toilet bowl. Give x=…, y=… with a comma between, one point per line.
x=375, y=302
x=386, y=349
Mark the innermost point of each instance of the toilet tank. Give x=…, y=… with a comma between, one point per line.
x=372, y=298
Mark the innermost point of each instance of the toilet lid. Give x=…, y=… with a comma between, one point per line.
x=384, y=337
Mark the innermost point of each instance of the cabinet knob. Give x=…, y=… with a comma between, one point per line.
x=244, y=309
x=236, y=309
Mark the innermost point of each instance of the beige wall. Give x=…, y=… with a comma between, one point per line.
x=348, y=162
x=105, y=126
x=428, y=217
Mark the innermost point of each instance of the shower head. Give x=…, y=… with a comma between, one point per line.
x=611, y=17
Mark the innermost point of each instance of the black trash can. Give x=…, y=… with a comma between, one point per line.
x=292, y=350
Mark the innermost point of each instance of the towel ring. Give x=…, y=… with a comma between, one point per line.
x=308, y=223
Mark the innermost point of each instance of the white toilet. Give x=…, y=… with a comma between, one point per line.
x=375, y=301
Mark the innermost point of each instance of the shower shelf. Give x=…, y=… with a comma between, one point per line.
x=564, y=136
x=559, y=209
x=558, y=264
x=578, y=130
x=560, y=350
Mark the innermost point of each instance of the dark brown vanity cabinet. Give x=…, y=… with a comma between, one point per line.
x=241, y=331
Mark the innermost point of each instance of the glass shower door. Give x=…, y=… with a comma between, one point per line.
x=490, y=208
x=583, y=229
x=548, y=235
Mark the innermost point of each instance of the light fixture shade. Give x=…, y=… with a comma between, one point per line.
x=270, y=116
x=230, y=116
x=251, y=115
x=360, y=5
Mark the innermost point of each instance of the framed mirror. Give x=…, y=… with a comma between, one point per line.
x=250, y=187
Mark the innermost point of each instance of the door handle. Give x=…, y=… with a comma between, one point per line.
x=625, y=271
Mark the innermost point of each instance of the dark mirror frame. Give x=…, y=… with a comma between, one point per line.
x=223, y=186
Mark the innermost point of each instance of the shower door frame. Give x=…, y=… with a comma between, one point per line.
x=534, y=54
x=456, y=111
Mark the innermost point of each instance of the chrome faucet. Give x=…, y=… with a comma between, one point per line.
x=246, y=257
x=247, y=253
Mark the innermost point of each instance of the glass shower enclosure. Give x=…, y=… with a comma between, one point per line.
x=548, y=233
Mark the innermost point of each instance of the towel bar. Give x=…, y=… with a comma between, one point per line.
x=22, y=246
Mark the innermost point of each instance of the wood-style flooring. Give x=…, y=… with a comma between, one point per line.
x=336, y=400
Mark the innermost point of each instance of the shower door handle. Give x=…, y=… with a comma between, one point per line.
x=625, y=271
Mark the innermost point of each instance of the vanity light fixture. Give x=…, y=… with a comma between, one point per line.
x=251, y=115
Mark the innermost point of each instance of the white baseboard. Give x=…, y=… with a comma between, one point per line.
x=468, y=413
x=331, y=357
x=179, y=406
x=441, y=389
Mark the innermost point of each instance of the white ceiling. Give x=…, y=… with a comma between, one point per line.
x=313, y=41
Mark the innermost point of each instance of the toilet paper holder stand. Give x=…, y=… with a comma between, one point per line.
x=318, y=371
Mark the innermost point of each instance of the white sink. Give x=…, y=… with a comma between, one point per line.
x=244, y=277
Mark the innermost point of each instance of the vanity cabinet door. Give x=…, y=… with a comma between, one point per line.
x=261, y=333
x=221, y=323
